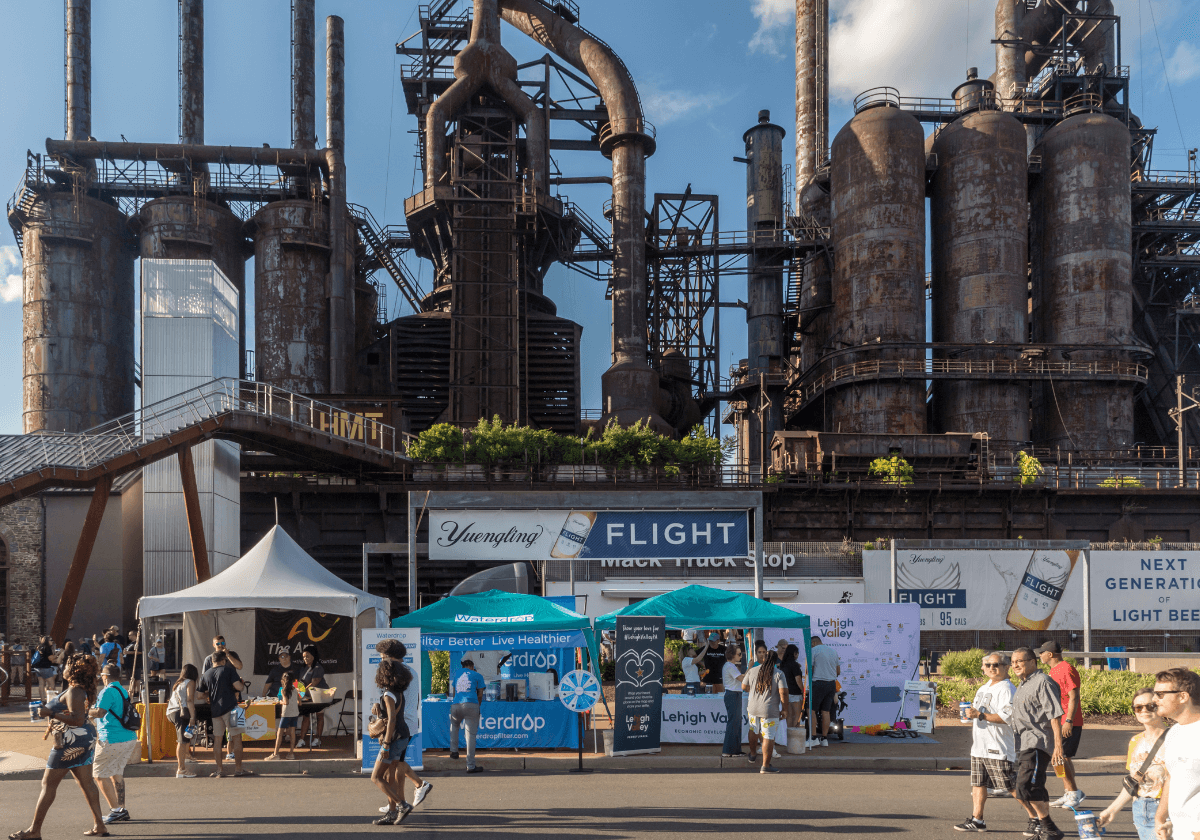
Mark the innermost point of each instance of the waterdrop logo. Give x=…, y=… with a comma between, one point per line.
x=514, y=723
x=534, y=659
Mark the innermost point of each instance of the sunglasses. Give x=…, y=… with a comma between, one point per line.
x=1145, y=707
x=1161, y=694
x=992, y=665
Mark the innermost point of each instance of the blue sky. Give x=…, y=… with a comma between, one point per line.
x=704, y=69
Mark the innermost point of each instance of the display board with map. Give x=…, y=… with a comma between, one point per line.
x=878, y=645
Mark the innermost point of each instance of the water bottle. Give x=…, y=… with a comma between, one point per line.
x=187, y=732
x=962, y=710
x=35, y=708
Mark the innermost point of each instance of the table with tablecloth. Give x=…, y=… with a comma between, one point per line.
x=521, y=724
x=260, y=723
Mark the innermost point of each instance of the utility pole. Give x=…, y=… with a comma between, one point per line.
x=1177, y=416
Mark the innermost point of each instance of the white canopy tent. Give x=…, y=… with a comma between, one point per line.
x=276, y=574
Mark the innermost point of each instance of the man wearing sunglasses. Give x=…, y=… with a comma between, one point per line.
x=1177, y=692
x=993, y=747
x=1036, y=724
x=231, y=658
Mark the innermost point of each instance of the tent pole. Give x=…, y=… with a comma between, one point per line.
x=357, y=682
x=412, y=557
x=145, y=692
x=758, y=550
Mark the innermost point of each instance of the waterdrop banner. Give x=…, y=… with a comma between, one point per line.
x=983, y=590
x=639, y=673
x=411, y=637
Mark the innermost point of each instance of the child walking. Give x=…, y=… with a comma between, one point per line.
x=288, y=716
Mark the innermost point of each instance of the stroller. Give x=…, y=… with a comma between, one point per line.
x=837, y=726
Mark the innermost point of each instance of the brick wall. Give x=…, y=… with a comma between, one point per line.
x=21, y=527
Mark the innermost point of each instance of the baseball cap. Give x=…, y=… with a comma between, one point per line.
x=1049, y=646
x=714, y=637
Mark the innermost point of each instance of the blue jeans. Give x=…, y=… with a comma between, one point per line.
x=1143, y=816
x=733, y=728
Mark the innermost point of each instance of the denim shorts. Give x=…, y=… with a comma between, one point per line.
x=393, y=751
x=288, y=722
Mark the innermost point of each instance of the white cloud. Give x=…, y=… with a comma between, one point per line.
x=1184, y=65
x=776, y=22
x=663, y=106
x=10, y=273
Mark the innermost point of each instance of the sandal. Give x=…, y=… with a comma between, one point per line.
x=24, y=835
x=244, y=772
x=91, y=832
x=272, y=757
x=218, y=775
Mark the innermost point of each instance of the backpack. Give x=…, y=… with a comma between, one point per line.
x=40, y=661
x=129, y=718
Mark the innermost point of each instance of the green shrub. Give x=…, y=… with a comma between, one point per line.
x=608, y=671
x=954, y=690
x=1100, y=692
x=439, y=671
x=1030, y=468
x=893, y=470
x=439, y=444
x=1121, y=481
x=967, y=664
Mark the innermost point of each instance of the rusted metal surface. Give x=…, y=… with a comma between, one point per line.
x=195, y=519
x=78, y=309
x=79, y=69
x=304, y=79
x=878, y=230
x=291, y=328
x=180, y=227
x=1010, y=56
x=191, y=72
x=79, y=563
x=816, y=293
x=630, y=385
x=341, y=297
x=176, y=156
x=979, y=211
x=1082, y=276
x=812, y=88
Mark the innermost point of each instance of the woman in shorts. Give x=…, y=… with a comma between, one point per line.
x=181, y=711
x=289, y=714
x=74, y=746
x=393, y=679
x=793, y=674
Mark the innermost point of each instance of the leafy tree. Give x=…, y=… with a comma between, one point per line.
x=892, y=470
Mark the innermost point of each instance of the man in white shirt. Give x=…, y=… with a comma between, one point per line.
x=993, y=745
x=1178, y=696
x=826, y=668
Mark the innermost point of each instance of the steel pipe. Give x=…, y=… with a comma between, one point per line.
x=79, y=69
x=191, y=72
x=812, y=89
x=79, y=150
x=341, y=301
x=304, y=80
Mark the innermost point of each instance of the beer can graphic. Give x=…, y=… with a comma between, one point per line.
x=1040, y=590
x=574, y=534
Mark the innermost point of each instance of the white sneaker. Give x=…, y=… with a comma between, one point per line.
x=775, y=754
x=810, y=743
x=1058, y=803
x=316, y=742
x=824, y=742
x=229, y=757
x=1071, y=800
x=385, y=809
x=422, y=792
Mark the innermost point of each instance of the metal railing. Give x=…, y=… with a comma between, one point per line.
x=22, y=454
x=628, y=126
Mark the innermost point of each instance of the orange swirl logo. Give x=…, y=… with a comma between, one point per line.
x=307, y=623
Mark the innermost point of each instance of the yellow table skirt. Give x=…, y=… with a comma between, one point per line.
x=260, y=726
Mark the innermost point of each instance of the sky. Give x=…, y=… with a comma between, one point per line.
x=704, y=69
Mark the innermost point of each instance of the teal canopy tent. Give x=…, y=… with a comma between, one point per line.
x=500, y=614
x=703, y=606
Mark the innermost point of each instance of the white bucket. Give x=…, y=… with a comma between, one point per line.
x=795, y=740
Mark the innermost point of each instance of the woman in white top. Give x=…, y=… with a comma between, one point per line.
x=689, y=661
x=1150, y=784
x=731, y=678
x=181, y=711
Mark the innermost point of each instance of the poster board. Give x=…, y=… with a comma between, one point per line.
x=639, y=672
x=878, y=646
x=411, y=637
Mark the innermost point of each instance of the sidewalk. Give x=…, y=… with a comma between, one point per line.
x=22, y=755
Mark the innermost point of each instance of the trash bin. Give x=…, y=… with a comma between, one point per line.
x=1117, y=664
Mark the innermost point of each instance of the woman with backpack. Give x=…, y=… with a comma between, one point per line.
x=110, y=651
x=393, y=723
x=117, y=725
x=74, y=746
x=42, y=664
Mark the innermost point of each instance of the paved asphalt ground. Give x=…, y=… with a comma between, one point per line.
x=613, y=805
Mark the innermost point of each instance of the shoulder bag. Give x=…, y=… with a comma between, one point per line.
x=1132, y=783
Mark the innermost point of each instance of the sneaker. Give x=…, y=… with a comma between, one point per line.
x=732, y=755
x=971, y=824
x=388, y=818
x=1058, y=803
x=405, y=810
x=999, y=793
x=315, y=742
x=475, y=769
x=768, y=769
x=1071, y=800
x=454, y=754
x=117, y=815
x=1034, y=828
x=775, y=754
x=824, y=742
x=422, y=792
x=188, y=775
x=1050, y=831
x=385, y=809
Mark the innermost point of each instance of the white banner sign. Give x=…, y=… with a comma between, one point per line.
x=983, y=590
x=878, y=646
x=1145, y=590
x=697, y=719
x=411, y=637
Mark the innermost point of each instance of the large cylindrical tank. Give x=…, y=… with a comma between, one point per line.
x=979, y=224
x=181, y=227
x=1083, y=278
x=878, y=221
x=291, y=307
x=78, y=317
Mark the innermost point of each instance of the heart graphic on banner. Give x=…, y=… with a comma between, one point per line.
x=638, y=669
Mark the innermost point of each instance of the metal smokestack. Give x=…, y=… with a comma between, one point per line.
x=812, y=89
x=304, y=81
x=79, y=69
x=191, y=72
x=335, y=142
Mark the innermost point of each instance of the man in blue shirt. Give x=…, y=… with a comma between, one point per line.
x=117, y=746
x=468, y=694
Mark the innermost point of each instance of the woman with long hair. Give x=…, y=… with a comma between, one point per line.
x=181, y=711
x=398, y=699
x=793, y=674
x=289, y=711
x=1149, y=783
x=312, y=675
x=766, y=705
x=41, y=662
x=74, y=746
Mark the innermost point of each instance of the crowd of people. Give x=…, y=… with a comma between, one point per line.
x=1022, y=732
x=46, y=661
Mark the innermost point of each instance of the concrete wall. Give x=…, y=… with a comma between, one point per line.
x=113, y=581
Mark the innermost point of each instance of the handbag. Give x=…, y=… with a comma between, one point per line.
x=1129, y=782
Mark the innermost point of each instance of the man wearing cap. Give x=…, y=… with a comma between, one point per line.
x=1064, y=673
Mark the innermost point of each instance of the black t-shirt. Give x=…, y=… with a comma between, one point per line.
x=275, y=676
x=794, y=675
x=714, y=661
x=313, y=677
x=217, y=683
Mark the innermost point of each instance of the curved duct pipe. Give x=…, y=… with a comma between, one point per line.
x=630, y=385
x=1099, y=45
x=483, y=61
x=1038, y=28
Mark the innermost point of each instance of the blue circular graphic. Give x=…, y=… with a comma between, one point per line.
x=578, y=691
